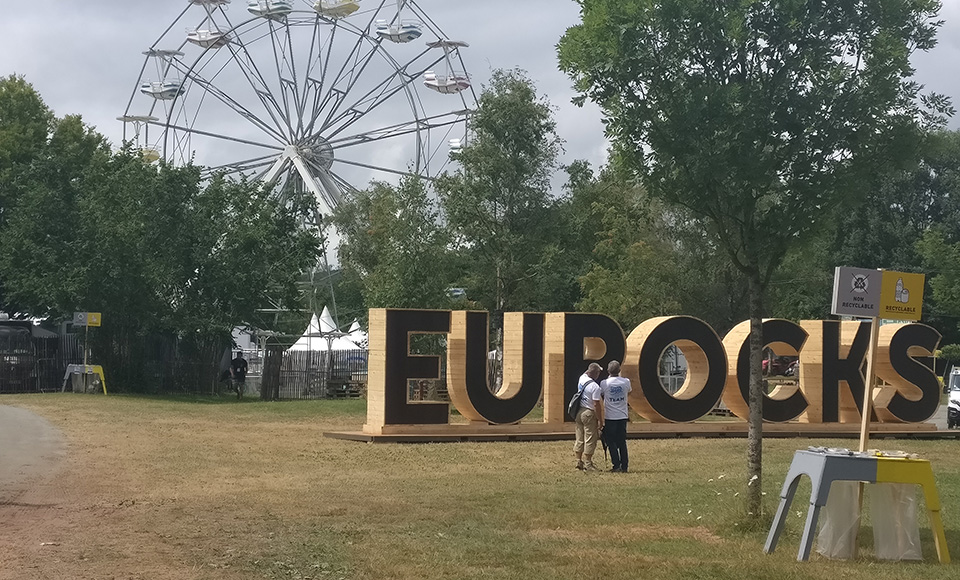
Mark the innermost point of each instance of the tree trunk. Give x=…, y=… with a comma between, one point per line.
x=270, y=374
x=755, y=423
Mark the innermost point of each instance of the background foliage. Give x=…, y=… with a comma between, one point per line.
x=157, y=249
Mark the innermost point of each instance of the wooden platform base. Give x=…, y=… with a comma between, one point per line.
x=709, y=429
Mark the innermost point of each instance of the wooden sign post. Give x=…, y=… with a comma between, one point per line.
x=868, y=384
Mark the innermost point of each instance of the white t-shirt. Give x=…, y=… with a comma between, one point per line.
x=591, y=392
x=615, y=391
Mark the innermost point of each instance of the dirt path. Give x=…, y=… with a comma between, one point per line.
x=80, y=505
x=31, y=455
x=30, y=448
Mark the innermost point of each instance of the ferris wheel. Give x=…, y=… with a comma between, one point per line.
x=312, y=97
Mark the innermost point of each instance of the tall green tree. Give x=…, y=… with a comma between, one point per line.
x=646, y=258
x=941, y=256
x=901, y=205
x=38, y=273
x=160, y=251
x=25, y=124
x=884, y=231
x=154, y=248
x=498, y=206
x=746, y=111
x=394, y=247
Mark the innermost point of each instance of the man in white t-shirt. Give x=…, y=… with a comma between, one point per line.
x=615, y=390
x=589, y=418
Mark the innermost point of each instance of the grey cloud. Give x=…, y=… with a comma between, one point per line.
x=87, y=59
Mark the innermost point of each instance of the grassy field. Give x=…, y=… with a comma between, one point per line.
x=161, y=488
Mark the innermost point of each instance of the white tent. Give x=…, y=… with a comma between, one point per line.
x=357, y=335
x=322, y=334
x=326, y=321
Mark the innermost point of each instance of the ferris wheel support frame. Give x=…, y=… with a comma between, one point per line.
x=305, y=119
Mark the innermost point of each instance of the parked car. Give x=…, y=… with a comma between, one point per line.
x=780, y=366
x=953, y=401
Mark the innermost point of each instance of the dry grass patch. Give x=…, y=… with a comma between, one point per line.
x=175, y=489
x=635, y=533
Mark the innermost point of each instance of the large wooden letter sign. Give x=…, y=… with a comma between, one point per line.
x=392, y=366
x=706, y=369
x=544, y=354
x=467, y=367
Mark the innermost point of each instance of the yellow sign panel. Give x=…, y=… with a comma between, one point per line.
x=901, y=295
x=93, y=319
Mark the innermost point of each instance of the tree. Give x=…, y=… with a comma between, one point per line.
x=645, y=258
x=801, y=287
x=41, y=235
x=884, y=231
x=941, y=178
x=498, y=205
x=942, y=257
x=156, y=249
x=394, y=247
x=901, y=205
x=743, y=112
x=950, y=353
x=25, y=122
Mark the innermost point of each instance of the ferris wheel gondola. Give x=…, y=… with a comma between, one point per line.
x=207, y=37
x=335, y=9
x=275, y=9
x=165, y=88
x=140, y=124
x=452, y=80
x=399, y=30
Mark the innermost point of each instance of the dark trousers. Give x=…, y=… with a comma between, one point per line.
x=615, y=434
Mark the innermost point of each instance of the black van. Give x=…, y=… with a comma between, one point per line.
x=17, y=358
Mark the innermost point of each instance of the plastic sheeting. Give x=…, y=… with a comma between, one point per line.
x=840, y=522
x=893, y=509
x=896, y=533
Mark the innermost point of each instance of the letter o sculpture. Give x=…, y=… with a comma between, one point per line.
x=706, y=368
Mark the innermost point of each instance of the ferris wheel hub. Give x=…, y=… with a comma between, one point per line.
x=319, y=151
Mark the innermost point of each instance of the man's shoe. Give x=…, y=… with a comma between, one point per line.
x=615, y=470
x=580, y=465
x=590, y=467
x=623, y=470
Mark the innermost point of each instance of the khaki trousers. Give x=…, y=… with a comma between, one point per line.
x=587, y=431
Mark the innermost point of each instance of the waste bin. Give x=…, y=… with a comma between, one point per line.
x=893, y=510
x=896, y=532
x=841, y=522
x=84, y=379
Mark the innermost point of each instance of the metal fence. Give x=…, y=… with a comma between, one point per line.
x=165, y=365
x=334, y=374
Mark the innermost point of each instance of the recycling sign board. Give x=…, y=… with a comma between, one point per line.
x=885, y=294
x=856, y=292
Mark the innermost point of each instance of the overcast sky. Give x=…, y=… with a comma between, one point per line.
x=85, y=57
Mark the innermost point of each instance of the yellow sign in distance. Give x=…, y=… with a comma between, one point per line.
x=93, y=319
x=901, y=295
